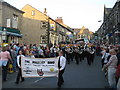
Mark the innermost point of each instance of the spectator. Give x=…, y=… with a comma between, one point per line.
x=4, y=58
x=111, y=65
x=14, y=58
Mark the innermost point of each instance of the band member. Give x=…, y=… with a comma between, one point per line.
x=71, y=53
x=82, y=55
x=80, y=52
x=61, y=67
x=92, y=53
x=20, y=54
x=76, y=54
x=88, y=56
x=67, y=50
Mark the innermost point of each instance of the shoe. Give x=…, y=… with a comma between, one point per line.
x=59, y=86
x=4, y=80
x=62, y=83
x=23, y=80
x=16, y=82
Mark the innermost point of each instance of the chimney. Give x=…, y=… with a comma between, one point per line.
x=45, y=11
x=59, y=20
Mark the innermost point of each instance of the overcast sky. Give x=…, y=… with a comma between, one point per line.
x=75, y=13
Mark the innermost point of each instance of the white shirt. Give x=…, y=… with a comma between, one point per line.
x=62, y=62
x=103, y=52
x=106, y=56
x=41, y=52
x=18, y=60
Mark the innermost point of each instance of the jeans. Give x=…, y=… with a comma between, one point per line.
x=4, y=65
x=111, y=77
x=14, y=64
x=3, y=62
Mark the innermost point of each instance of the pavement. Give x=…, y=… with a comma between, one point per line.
x=75, y=76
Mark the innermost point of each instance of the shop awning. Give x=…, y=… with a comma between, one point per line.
x=11, y=31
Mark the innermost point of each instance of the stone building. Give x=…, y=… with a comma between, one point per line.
x=39, y=28
x=110, y=27
x=11, y=20
x=83, y=33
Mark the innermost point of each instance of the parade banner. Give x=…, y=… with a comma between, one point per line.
x=39, y=67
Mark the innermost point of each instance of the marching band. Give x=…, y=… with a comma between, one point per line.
x=78, y=52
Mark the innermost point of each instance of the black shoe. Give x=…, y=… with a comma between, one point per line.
x=4, y=80
x=23, y=80
x=16, y=82
x=62, y=83
x=59, y=86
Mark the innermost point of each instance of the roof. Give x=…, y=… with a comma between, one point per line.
x=7, y=4
x=82, y=30
x=50, y=18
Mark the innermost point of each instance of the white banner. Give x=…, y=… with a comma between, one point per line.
x=39, y=67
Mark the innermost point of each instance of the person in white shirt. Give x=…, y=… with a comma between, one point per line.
x=20, y=54
x=61, y=67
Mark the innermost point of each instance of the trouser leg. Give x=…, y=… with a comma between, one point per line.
x=19, y=76
x=60, y=78
x=4, y=72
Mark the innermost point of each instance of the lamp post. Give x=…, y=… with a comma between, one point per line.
x=4, y=35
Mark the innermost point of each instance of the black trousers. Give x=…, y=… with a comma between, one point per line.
x=19, y=76
x=4, y=72
x=80, y=57
x=71, y=56
x=77, y=58
x=88, y=59
x=60, y=77
x=92, y=57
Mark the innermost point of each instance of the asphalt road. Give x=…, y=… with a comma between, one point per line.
x=75, y=76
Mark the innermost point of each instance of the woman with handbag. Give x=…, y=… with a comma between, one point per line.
x=4, y=58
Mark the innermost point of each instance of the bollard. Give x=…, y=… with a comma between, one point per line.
x=10, y=68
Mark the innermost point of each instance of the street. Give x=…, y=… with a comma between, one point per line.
x=75, y=76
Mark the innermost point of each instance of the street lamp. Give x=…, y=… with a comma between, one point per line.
x=4, y=35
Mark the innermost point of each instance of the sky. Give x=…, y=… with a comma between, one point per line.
x=75, y=13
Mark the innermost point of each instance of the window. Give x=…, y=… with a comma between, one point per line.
x=43, y=39
x=8, y=22
x=33, y=13
x=44, y=24
x=15, y=21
